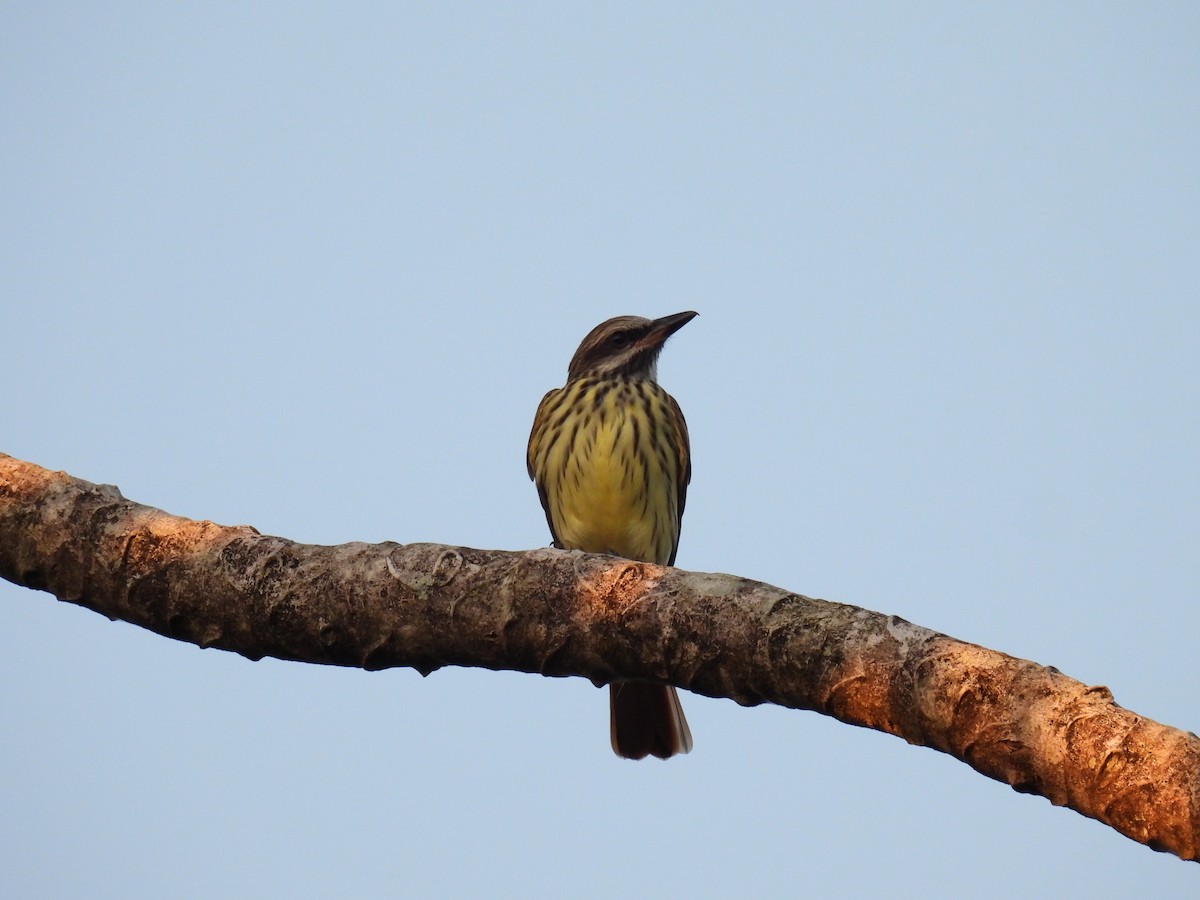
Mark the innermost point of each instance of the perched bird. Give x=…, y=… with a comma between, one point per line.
x=610, y=456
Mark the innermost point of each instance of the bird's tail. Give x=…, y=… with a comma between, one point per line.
x=647, y=720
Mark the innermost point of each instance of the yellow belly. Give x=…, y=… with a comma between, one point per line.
x=602, y=503
x=609, y=487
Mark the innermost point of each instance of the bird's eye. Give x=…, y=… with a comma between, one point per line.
x=619, y=340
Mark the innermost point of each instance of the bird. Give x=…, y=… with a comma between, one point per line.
x=610, y=455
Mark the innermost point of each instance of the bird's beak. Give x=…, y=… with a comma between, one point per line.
x=661, y=329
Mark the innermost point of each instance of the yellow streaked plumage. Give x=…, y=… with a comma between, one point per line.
x=610, y=455
x=613, y=460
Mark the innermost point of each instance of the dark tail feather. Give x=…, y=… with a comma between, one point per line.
x=647, y=720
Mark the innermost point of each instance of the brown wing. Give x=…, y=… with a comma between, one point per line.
x=683, y=448
x=541, y=421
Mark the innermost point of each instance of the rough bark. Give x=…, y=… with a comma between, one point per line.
x=566, y=613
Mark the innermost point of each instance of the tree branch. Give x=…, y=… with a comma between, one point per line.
x=565, y=613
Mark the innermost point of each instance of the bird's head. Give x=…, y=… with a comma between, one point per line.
x=625, y=346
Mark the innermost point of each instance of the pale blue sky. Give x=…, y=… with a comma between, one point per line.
x=311, y=269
